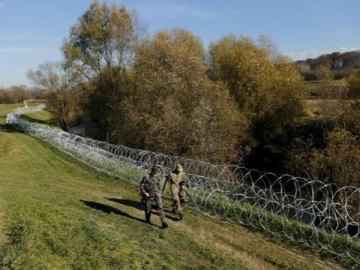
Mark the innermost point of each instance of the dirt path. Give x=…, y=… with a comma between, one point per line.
x=238, y=241
x=253, y=249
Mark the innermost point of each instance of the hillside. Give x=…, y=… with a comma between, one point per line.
x=342, y=64
x=56, y=213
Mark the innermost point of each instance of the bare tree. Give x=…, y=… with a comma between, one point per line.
x=61, y=89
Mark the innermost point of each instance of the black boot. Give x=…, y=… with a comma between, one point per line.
x=147, y=218
x=181, y=216
x=165, y=225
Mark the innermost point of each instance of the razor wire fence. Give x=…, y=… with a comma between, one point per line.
x=302, y=210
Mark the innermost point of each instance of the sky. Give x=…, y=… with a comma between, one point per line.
x=32, y=31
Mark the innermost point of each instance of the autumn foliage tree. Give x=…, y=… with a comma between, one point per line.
x=175, y=108
x=336, y=160
x=101, y=49
x=266, y=86
x=15, y=94
x=103, y=37
x=353, y=82
x=266, y=89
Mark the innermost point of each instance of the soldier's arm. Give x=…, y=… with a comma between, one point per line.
x=142, y=187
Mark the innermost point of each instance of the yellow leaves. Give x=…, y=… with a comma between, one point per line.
x=102, y=37
x=187, y=114
x=353, y=83
x=239, y=59
x=240, y=64
x=171, y=56
x=336, y=161
x=264, y=84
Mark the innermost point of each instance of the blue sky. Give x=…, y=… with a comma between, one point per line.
x=31, y=32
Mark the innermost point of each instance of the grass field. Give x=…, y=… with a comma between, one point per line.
x=56, y=213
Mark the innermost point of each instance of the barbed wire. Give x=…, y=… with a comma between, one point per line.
x=302, y=210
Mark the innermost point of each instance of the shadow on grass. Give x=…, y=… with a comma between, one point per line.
x=136, y=204
x=31, y=119
x=139, y=205
x=7, y=128
x=109, y=209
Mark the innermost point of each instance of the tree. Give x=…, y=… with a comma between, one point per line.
x=174, y=108
x=3, y=94
x=267, y=87
x=102, y=37
x=353, y=82
x=102, y=103
x=101, y=48
x=14, y=94
x=37, y=93
x=217, y=127
x=337, y=161
x=61, y=88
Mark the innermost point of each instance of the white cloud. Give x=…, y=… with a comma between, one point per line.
x=27, y=50
x=316, y=53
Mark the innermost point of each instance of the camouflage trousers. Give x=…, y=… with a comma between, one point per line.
x=175, y=194
x=183, y=194
x=149, y=202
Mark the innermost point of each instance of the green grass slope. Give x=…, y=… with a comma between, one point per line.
x=57, y=213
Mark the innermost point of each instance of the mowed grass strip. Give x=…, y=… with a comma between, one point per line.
x=56, y=213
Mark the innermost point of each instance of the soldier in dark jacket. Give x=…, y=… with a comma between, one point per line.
x=150, y=190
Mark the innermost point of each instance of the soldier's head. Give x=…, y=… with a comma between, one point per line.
x=179, y=168
x=154, y=170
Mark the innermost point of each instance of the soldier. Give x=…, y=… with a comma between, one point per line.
x=178, y=183
x=150, y=190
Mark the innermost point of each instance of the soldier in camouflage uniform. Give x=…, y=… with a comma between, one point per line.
x=178, y=183
x=150, y=190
